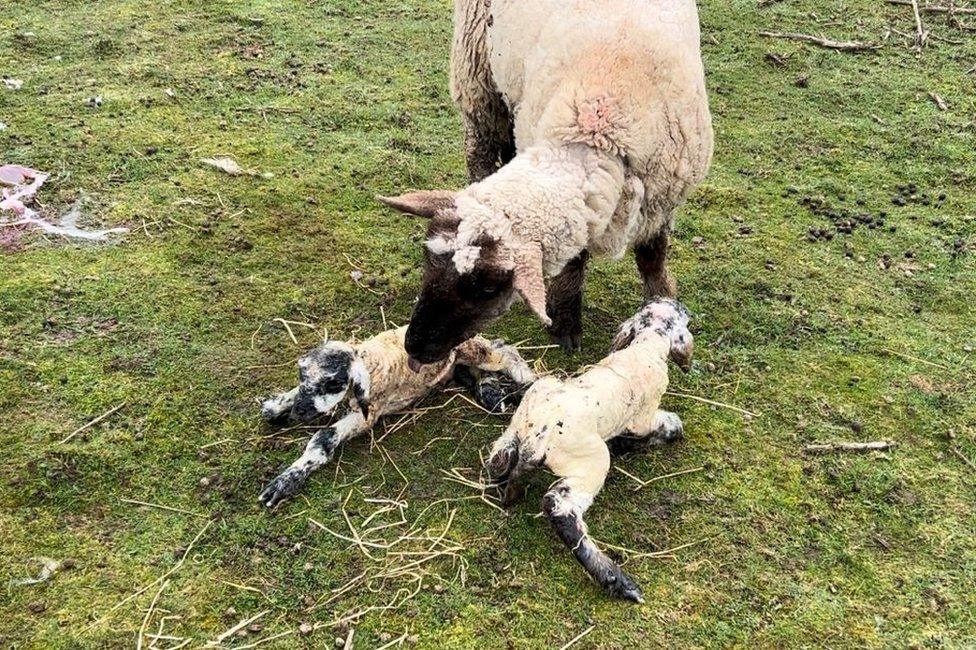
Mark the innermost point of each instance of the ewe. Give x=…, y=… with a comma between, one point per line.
x=566, y=426
x=597, y=113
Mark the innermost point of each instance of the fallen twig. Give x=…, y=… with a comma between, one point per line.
x=842, y=46
x=934, y=9
x=714, y=403
x=911, y=358
x=162, y=507
x=576, y=638
x=92, y=423
x=828, y=447
x=920, y=34
x=961, y=456
x=939, y=102
x=644, y=484
x=148, y=616
x=240, y=626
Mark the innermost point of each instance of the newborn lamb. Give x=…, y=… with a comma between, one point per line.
x=567, y=425
x=376, y=378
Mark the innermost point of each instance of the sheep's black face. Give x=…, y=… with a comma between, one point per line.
x=454, y=306
x=324, y=375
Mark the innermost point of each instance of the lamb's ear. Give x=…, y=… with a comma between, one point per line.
x=360, y=385
x=624, y=337
x=424, y=203
x=529, y=280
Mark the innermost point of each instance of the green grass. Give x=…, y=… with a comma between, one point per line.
x=348, y=99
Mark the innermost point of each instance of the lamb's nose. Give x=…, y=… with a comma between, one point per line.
x=413, y=364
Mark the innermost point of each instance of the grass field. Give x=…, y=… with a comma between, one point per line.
x=862, y=336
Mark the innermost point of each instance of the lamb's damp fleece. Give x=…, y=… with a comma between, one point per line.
x=373, y=378
x=566, y=426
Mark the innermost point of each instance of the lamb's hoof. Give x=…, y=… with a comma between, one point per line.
x=285, y=485
x=491, y=395
x=620, y=585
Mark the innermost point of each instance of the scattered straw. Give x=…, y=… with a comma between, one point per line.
x=155, y=582
x=148, y=616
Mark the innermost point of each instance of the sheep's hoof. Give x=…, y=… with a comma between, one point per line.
x=620, y=585
x=285, y=485
x=570, y=342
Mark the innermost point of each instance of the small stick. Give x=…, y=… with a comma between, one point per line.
x=578, y=637
x=939, y=102
x=348, y=645
x=92, y=423
x=843, y=46
x=162, y=507
x=935, y=9
x=920, y=34
x=666, y=476
x=963, y=458
x=911, y=358
x=145, y=620
x=239, y=626
x=714, y=403
x=824, y=448
x=392, y=643
x=218, y=442
x=620, y=469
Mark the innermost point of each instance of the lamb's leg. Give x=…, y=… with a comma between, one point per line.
x=505, y=467
x=564, y=304
x=318, y=452
x=277, y=407
x=652, y=257
x=489, y=141
x=665, y=429
x=564, y=505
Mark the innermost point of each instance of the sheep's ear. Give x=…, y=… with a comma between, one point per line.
x=529, y=281
x=424, y=203
x=360, y=385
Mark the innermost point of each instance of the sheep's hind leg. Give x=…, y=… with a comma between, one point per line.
x=278, y=407
x=564, y=505
x=666, y=428
x=318, y=452
x=564, y=304
x=652, y=258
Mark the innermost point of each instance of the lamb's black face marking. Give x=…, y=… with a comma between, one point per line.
x=324, y=375
x=455, y=306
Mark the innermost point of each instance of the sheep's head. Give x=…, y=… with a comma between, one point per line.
x=326, y=375
x=660, y=317
x=473, y=272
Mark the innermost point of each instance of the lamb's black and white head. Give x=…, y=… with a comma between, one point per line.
x=660, y=317
x=327, y=375
x=473, y=271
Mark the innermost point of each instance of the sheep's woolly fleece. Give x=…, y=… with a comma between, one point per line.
x=612, y=133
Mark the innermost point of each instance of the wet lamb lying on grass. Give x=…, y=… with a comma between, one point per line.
x=374, y=378
x=570, y=427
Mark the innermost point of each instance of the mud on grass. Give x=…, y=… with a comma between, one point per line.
x=839, y=337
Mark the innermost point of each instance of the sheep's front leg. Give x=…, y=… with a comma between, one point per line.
x=318, y=452
x=277, y=407
x=666, y=428
x=652, y=258
x=564, y=304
